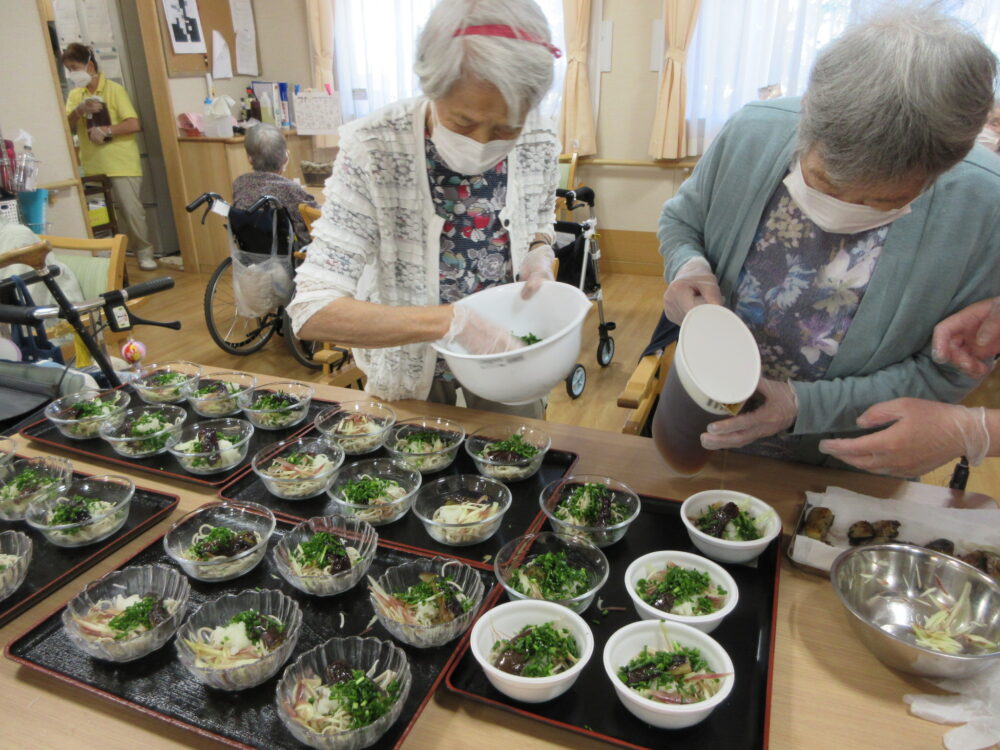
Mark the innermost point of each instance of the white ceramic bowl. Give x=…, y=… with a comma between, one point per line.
x=643, y=567
x=625, y=644
x=507, y=620
x=724, y=550
x=555, y=313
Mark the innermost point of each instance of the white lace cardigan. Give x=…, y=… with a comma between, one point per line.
x=378, y=239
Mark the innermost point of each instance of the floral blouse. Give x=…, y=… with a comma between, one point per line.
x=475, y=247
x=798, y=292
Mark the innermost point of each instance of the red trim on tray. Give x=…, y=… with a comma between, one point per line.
x=770, y=657
x=193, y=478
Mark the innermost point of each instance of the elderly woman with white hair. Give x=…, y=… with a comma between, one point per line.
x=268, y=154
x=435, y=198
x=843, y=226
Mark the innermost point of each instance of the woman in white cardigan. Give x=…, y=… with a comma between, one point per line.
x=435, y=198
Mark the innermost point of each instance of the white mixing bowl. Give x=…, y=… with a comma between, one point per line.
x=555, y=314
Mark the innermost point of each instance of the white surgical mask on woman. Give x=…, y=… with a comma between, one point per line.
x=466, y=155
x=79, y=78
x=833, y=215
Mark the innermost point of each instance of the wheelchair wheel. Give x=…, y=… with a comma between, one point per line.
x=605, y=351
x=234, y=333
x=576, y=381
x=301, y=350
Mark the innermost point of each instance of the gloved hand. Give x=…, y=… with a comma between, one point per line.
x=694, y=284
x=777, y=412
x=98, y=135
x=88, y=106
x=970, y=336
x=535, y=269
x=922, y=436
x=476, y=335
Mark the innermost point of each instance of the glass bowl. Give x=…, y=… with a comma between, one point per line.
x=166, y=382
x=400, y=577
x=427, y=444
x=216, y=394
x=623, y=503
x=79, y=415
x=7, y=448
x=238, y=517
x=15, y=557
x=26, y=480
x=197, y=456
x=356, y=426
x=508, y=462
x=380, y=513
x=90, y=510
x=96, y=638
x=353, y=533
x=219, y=612
x=144, y=430
x=282, y=469
x=579, y=553
x=295, y=398
x=450, y=512
x=383, y=659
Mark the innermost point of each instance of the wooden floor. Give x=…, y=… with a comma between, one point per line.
x=633, y=302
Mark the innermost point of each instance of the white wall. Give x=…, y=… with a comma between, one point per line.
x=283, y=55
x=32, y=102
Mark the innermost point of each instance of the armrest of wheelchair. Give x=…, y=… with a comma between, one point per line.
x=640, y=383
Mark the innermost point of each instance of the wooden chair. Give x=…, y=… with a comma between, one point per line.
x=337, y=361
x=642, y=388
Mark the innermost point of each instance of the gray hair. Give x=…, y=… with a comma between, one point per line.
x=520, y=69
x=901, y=95
x=265, y=147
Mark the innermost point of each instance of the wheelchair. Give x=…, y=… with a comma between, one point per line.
x=255, y=231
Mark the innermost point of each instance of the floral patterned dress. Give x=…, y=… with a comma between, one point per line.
x=475, y=247
x=798, y=292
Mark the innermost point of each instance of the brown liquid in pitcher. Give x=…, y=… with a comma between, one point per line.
x=677, y=427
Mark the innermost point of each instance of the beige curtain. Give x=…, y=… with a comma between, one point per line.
x=319, y=19
x=576, y=121
x=668, y=138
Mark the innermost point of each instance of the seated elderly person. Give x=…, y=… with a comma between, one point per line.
x=435, y=198
x=843, y=226
x=268, y=154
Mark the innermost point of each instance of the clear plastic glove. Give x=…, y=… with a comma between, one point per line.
x=969, y=337
x=694, y=284
x=98, y=135
x=88, y=106
x=535, y=269
x=476, y=335
x=775, y=414
x=922, y=436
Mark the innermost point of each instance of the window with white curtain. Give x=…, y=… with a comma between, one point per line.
x=740, y=47
x=375, y=44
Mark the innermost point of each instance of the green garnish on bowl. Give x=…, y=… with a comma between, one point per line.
x=363, y=491
x=514, y=444
x=319, y=550
x=146, y=613
x=537, y=651
x=550, y=576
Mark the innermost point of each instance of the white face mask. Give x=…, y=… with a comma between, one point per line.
x=833, y=215
x=988, y=138
x=79, y=78
x=466, y=155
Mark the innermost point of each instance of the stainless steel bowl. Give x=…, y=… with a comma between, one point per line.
x=881, y=587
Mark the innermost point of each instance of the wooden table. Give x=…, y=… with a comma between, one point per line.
x=828, y=690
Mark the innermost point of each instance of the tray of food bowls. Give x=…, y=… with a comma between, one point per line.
x=639, y=621
x=422, y=481
x=175, y=421
x=55, y=523
x=260, y=632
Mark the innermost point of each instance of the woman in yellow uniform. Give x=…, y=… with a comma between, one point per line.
x=107, y=143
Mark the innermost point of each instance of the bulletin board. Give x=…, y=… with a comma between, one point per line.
x=215, y=16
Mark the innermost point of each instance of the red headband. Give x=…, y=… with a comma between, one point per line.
x=508, y=32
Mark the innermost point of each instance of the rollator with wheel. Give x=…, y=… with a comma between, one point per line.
x=578, y=254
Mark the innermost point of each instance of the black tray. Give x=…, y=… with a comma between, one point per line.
x=164, y=464
x=52, y=566
x=159, y=686
x=591, y=707
x=524, y=514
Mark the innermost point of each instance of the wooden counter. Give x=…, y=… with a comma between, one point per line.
x=211, y=165
x=828, y=690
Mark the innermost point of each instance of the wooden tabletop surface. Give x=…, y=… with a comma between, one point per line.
x=828, y=689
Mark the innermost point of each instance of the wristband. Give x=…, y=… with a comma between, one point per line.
x=537, y=242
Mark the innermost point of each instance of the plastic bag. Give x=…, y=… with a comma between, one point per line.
x=261, y=282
